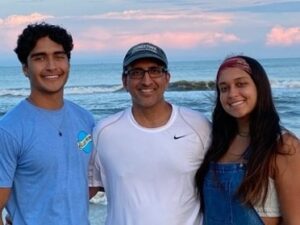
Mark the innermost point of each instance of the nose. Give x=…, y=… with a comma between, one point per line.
x=146, y=78
x=232, y=91
x=51, y=63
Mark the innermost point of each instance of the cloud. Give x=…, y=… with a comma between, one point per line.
x=218, y=18
x=185, y=40
x=282, y=36
x=266, y=7
x=11, y=26
x=16, y=20
x=96, y=39
x=178, y=29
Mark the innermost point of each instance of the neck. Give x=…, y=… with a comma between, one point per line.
x=46, y=102
x=243, y=133
x=152, y=118
x=243, y=128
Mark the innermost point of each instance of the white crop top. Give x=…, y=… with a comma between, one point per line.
x=271, y=207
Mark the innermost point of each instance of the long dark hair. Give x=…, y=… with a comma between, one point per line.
x=264, y=125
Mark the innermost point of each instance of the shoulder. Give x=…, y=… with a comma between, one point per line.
x=193, y=117
x=288, y=157
x=16, y=117
x=78, y=110
x=290, y=144
x=15, y=123
x=16, y=111
x=108, y=121
x=73, y=106
x=197, y=122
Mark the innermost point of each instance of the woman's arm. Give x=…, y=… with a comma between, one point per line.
x=287, y=180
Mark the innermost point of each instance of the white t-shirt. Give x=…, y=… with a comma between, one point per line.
x=148, y=173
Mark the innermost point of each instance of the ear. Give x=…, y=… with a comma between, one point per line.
x=168, y=76
x=124, y=81
x=25, y=70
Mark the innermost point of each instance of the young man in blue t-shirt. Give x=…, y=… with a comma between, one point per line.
x=45, y=140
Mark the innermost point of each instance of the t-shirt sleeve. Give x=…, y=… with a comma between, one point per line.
x=8, y=158
x=95, y=165
x=206, y=134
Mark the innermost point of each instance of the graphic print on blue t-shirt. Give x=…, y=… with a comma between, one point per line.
x=84, y=141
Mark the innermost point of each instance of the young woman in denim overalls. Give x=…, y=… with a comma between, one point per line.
x=250, y=174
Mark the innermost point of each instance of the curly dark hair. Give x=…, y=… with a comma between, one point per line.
x=33, y=32
x=265, y=138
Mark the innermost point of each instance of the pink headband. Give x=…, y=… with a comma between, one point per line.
x=234, y=62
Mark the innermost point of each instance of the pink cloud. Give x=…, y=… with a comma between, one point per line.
x=186, y=40
x=16, y=20
x=11, y=26
x=283, y=36
x=174, y=28
x=93, y=39
x=9, y=39
x=216, y=18
x=102, y=40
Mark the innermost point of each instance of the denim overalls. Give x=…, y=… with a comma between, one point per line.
x=222, y=207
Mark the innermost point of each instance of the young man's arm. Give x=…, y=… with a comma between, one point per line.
x=93, y=191
x=4, y=195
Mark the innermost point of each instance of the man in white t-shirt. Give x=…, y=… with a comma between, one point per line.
x=146, y=156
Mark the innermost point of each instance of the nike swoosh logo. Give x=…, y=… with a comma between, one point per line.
x=178, y=137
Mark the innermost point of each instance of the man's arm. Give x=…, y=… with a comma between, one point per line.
x=4, y=195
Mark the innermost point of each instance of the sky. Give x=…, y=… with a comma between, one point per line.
x=103, y=30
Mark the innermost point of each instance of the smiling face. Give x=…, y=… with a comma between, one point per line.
x=47, y=68
x=238, y=93
x=146, y=92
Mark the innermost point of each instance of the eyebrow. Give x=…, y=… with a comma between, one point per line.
x=44, y=53
x=236, y=79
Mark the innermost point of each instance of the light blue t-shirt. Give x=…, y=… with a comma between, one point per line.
x=44, y=158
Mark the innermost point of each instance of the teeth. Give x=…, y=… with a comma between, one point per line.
x=52, y=77
x=146, y=90
x=236, y=103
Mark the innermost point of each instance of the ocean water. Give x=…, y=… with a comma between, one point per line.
x=98, y=88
